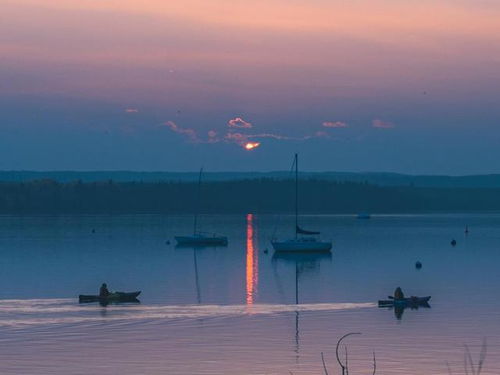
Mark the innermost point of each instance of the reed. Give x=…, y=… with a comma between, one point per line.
x=475, y=369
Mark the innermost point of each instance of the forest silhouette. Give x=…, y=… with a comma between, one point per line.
x=239, y=196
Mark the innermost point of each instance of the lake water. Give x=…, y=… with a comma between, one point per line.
x=231, y=310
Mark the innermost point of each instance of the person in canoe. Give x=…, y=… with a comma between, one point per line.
x=398, y=294
x=103, y=291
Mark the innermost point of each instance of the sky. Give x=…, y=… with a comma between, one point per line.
x=407, y=86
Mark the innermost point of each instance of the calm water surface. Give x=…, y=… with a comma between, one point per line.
x=232, y=310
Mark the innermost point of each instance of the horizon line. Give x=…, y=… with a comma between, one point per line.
x=245, y=172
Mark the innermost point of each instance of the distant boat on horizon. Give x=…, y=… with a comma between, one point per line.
x=364, y=215
x=199, y=238
x=302, y=243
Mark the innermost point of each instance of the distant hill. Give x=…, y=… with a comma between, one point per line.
x=375, y=178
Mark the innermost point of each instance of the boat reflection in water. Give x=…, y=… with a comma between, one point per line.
x=308, y=262
x=252, y=260
x=196, y=277
x=399, y=309
x=195, y=250
x=303, y=262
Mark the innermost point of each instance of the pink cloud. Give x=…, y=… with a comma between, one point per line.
x=382, y=124
x=238, y=122
x=190, y=133
x=241, y=138
x=334, y=124
x=269, y=135
x=131, y=110
x=320, y=134
x=238, y=138
x=212, y=136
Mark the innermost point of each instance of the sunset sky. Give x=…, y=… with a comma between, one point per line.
x=382, y=85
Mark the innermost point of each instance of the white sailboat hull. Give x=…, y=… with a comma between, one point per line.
x=302, y=245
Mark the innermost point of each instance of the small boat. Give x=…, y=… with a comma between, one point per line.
x=112, y=297
x=302, y=243
x=199, y=238
x=400, y=305
x=405, y=302
x=364, y=215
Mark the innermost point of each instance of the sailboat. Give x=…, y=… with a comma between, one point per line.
x=199, y=238
x=304, y=240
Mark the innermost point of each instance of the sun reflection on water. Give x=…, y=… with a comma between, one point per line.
x=252, y=270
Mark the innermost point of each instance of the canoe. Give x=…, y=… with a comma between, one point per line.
x=411, y=301
x=113, y=297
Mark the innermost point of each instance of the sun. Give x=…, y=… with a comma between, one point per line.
x=251, y=145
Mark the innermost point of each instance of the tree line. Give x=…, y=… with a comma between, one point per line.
x=263, y=195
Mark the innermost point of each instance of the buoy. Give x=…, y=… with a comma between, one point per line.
x=167, y=242
x=418, y=265
x=453, y=242
x=266, y=251
x=93, y=230
x=466, y=229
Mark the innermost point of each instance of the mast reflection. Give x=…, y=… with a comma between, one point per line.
x=252, y=266
x=303, y=263
x=197, y=278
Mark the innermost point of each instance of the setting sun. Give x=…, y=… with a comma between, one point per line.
x=252, y=145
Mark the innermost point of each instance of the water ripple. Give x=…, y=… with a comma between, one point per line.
x=18, y=313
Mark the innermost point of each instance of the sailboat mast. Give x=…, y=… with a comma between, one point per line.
x=197, y=203
x=296, y=194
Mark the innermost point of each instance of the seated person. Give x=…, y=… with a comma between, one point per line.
x=398, y=293
x=103, y=291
